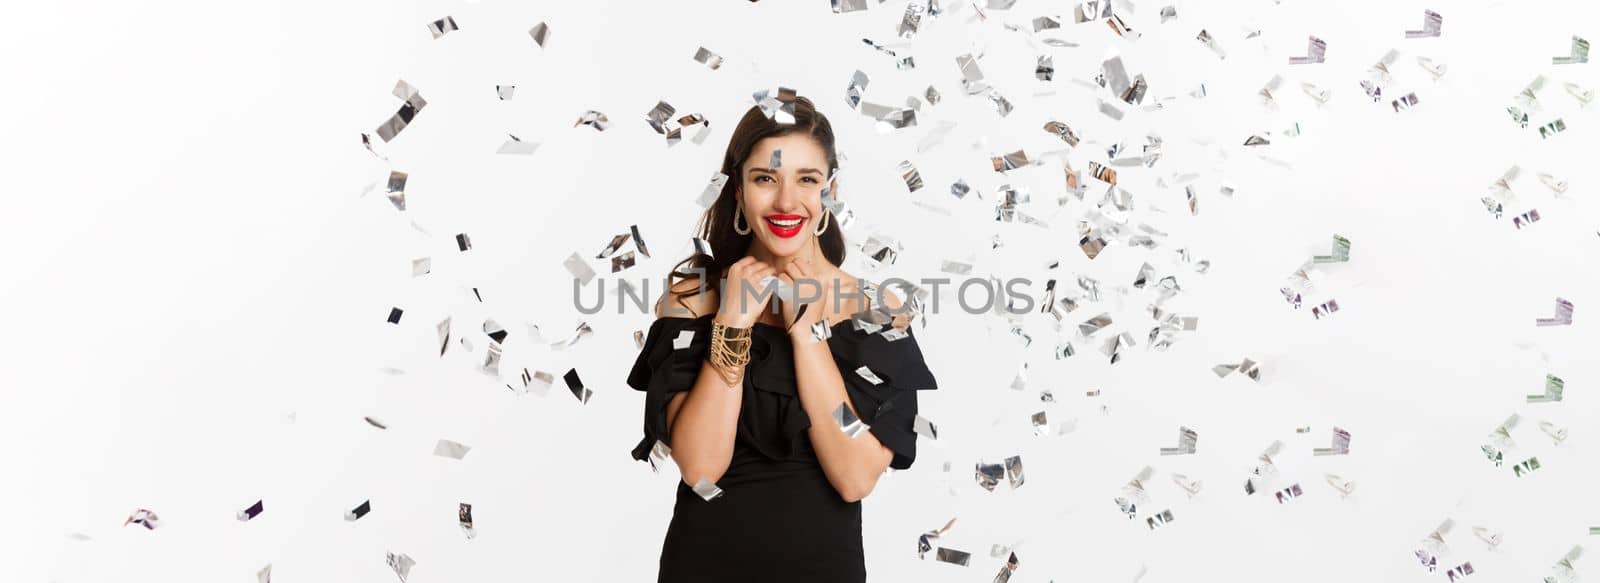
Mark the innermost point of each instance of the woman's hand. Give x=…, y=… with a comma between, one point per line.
x=809, y=286
x=740, y=309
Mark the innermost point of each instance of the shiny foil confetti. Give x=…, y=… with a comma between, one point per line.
x=707, y=490
x=516, y=147
x=1563, y=315
x=250, y=512
x=847, y=421
x=593, y=119
x=401, y=564
x=396, y=190
x=1340, y=445
x=1316, y=52
x=143, y=517
x=952, y=556
x=464, y=518
x=442, y=26
x=450, y=449
x=540, y=33
x=359, y=511
x=576, y=386
x=579, y=269
x=1553, y=389
x=705, y=57
x=1432, y=22
x=408, y=111
x=1579, y=54
x=1187, y=438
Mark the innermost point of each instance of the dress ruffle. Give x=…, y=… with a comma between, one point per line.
x=771, y=418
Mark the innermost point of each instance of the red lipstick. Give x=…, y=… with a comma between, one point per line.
x=785, y=231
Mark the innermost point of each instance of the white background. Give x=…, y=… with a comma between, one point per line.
x=196, y=283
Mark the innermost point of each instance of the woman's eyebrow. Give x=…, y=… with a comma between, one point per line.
x=769, y=170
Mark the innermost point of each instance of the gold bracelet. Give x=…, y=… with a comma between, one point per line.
x=730, y=350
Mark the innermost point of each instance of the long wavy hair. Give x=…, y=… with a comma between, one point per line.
x=716, y=225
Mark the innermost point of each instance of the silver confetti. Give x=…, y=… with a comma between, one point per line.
x=540, y=33
x=409, y=110
x=1431, y=23
x=251, y=512
x=1340, y=445
x=705, y=57
x=450, y=449
x=847, y=421
x=706, y=489
x=1187, y=439
x=401, y=564
x=442, y=26
x=1316, y=49
x=579, y=269
x=1553, y=389
x=952, y=556
x=1563, y=315
x=516, y=147
x=1579, y=54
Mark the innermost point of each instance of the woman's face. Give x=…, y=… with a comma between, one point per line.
x=782, y=205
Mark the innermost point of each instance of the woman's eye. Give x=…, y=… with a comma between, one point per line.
x=810, y=178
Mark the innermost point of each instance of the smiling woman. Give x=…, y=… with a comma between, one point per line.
x=780, y=417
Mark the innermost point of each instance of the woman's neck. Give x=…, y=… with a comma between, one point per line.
x=812, y=252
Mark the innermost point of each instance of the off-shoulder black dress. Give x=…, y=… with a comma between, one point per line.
x=778, y=518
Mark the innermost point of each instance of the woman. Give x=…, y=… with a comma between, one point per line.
x=748, y=402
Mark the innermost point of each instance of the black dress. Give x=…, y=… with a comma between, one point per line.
x=778, y=518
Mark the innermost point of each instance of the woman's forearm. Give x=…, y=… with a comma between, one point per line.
x=703, y=427
x=852, y=465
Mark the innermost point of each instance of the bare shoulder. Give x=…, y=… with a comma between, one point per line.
x=687, y=299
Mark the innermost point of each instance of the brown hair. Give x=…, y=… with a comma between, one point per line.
x=716, y=225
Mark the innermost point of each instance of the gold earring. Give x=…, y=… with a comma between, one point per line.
x=824, y=223
x=738, y=213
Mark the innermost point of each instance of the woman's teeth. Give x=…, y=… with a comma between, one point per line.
x=784, y=222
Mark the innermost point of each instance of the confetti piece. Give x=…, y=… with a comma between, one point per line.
x=1340, y=446
x=443, y=328
x=1489, y=537
x=847, y=421
x=1289, y=493
x=1431, y=23
x=408, y=111
x=401, y=564
x=707, y=490
x=1190, y=487
x=1343, y=486
x=1557, y=433
x=576, y=386
x=505, y=92
x=593, y=119
x=1247, y=367
x=1553, y=389
x=1526, y=466
x=516, y=147
x=705, y=57
x=579, y=269
x=909, y=173
x=450, y=449
x=540, y=33
x=143, y=517
x=359, y=511
x=1211, y=43
x=1563, y=315
x=375, y=422
x=952, y=556
x=394, y=315
x=1579, y=54
x=396, y=190
x=845, y=6
x=442, y=26
x=1187, y=438
x=1316, y=51
x=1159, y=519
x=265, y=574
x=250, y=512
x=1341, y=252
x=464, y=517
